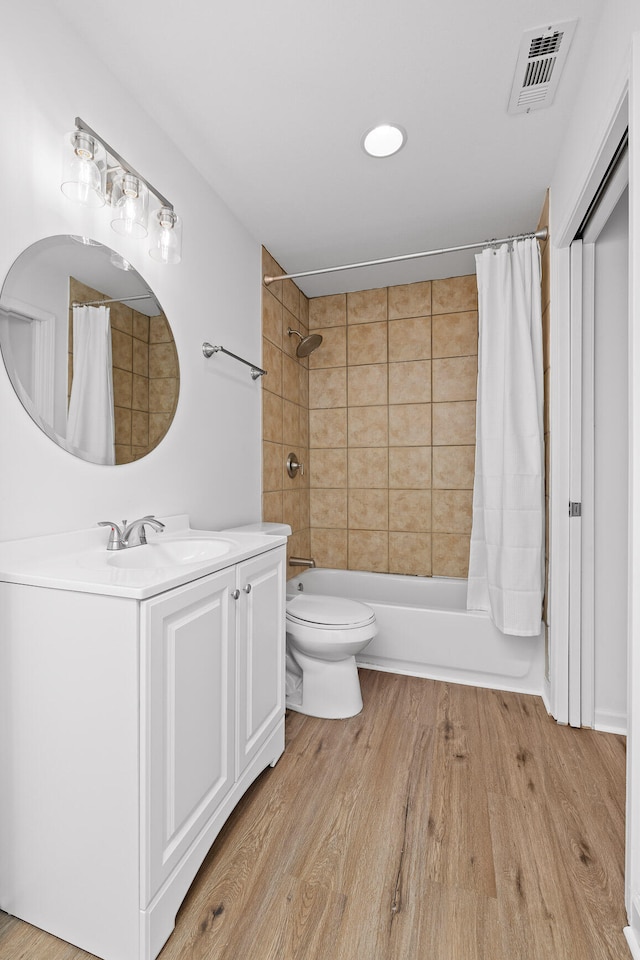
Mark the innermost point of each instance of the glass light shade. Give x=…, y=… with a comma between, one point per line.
x=83, y=169
x=130, y=202
x=166, y=237
x=120, y=262
x=85, y=241
x=384, y=140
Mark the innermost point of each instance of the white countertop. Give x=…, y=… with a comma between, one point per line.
x=79, y=560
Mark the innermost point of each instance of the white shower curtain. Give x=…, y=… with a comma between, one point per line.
x=506, y=563
x=90, y=421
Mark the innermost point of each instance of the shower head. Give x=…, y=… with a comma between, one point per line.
x=307, y=344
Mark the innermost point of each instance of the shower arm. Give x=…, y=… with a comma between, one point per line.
x=541, y=234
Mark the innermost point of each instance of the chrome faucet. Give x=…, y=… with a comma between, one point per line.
x=121, y=534
x=137, y=527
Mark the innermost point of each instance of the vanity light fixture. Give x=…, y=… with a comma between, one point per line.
x=384, y=140
x=83, y=170
x=166, y=236
x=94, y=174
x=130, y=202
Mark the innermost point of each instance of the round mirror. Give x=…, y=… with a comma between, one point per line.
x=88, y=350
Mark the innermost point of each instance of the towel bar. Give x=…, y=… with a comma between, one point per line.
x=208, y=350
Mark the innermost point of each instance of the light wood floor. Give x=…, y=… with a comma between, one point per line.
x=443, y=823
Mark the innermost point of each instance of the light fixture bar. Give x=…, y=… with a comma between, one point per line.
x=81, y=125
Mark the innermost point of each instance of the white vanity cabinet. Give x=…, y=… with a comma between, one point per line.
x=260, y=653
x=212, y=673
x=129, y=731
x=187, y=706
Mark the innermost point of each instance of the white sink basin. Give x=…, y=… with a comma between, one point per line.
x=169, y=553
x=79, y=560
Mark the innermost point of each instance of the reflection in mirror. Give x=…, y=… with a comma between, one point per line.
x=88, y=350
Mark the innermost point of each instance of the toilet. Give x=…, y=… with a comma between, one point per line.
x=324, y=634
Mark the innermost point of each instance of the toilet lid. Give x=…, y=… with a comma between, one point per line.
x=329, y=611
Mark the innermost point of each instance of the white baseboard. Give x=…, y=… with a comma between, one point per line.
x=610, y=723
x=632, y=940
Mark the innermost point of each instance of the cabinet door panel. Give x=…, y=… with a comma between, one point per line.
x=188, y=667
x=261, y=644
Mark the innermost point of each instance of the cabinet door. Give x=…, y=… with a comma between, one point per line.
x=261, y=645
x=187, y=718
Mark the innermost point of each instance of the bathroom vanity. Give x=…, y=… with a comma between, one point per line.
x=139, y=698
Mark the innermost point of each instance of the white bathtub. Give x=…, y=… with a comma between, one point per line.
x=425, y=630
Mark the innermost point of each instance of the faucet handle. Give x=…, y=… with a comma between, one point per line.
x=157, y=525
x=136, y=530
x=111, y=523
x=115, y=537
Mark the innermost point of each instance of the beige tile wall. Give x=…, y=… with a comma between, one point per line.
x=146, y=377
x=285, y=410
x=164, y=378
x=392, y=427
x=391, y=422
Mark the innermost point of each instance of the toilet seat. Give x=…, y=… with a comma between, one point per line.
x=329, y=613
x=324, y=636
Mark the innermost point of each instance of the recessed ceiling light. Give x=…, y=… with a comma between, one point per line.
x=384, y=140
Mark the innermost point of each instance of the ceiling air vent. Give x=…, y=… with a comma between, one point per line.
x=540, y=61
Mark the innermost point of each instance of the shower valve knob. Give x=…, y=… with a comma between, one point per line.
x=293, y=465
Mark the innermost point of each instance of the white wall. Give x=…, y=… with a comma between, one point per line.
x=209, y=463
x=604, y=82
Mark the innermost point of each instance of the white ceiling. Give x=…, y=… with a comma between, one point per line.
x=271, y=99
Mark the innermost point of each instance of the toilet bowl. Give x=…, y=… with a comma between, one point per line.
x=324, y=634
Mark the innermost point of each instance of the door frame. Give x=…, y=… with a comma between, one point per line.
x=582, y=706
x=43, y=339
x=565, y=684
x=632, y=866
x=625, y=111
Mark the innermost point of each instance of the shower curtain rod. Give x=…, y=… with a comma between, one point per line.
x=101, y=303
x=538, y=235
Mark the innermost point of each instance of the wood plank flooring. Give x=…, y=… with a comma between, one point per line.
x=443, y=823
